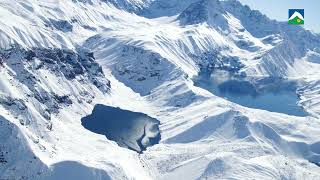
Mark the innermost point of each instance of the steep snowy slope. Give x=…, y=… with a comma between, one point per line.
x=58, y=59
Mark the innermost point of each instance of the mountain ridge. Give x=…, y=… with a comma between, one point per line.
x=59, y=59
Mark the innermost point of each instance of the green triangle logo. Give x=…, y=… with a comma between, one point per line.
x=296, y=16
x=296, y=21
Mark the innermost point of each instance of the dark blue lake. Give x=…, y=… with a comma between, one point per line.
x=132, y=130
x=271, y=94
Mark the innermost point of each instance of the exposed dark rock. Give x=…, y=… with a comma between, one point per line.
x=46, y=114
x=6, y=100
x=77, y=65
x=195, y=13
x=62, y=99
x=213, y=60
x=141, y=79
x=1, y=61
x=2, y=159
x=30, y=54
x=49, y=126
x=61, y=25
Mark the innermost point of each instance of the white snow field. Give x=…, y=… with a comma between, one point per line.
x=60, y=58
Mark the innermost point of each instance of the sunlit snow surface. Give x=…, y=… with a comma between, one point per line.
x=151, y=60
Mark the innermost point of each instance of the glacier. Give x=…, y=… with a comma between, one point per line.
x=60, y=59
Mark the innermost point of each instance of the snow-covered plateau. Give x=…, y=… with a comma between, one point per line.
x=217, y=91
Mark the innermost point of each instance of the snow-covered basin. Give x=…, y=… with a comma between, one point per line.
x=271, y=94
x=132, y=130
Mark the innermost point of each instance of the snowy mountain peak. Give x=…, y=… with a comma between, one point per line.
x=153, y=89
x=201, y=11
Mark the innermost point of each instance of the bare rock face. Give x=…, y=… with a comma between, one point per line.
x=26, y=67
x=61, y=25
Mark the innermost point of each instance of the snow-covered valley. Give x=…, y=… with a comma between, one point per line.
x=156, y=59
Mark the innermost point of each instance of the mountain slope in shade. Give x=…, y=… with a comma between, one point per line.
x=59, y=59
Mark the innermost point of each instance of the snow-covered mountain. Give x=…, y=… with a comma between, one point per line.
x=234, y=94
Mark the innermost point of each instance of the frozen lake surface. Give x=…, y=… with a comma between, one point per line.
x=271, y=94
x=132, y=130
